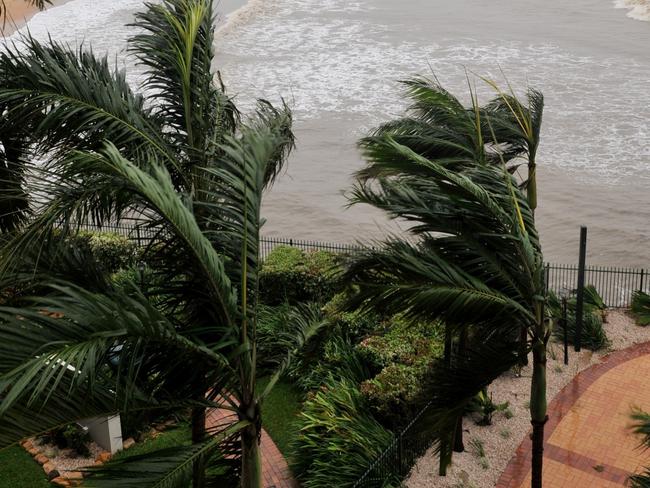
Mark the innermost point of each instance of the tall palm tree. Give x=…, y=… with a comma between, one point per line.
x=85, y=147
x=472, y=257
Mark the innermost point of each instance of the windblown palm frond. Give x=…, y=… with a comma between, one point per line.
x=472, y=256
x=79, y=146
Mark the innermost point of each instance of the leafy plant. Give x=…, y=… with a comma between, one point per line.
x=477, y=446
x=77, y=438
x=593, y=334
x=294, y=276
x=337, y=438
x=641, y=308
x=483, y=405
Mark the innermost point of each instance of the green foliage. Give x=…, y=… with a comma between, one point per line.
x=294, y=276
x=477, y=446
x=483, y=405
x=113, y=252
x=338, y=357
x=71, y=436
x=352, y=324
x=403, y=356
x=641, y=308
x=593, y=334
x=338, y=438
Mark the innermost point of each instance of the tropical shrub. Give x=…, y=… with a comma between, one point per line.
x=337, y=438
x=71, y=436
x=294, y=276
x=403, y=355
x=353, y=324
x=112, y=252
x=641, y=308
x=483, y=405
x=593, y=334
x=336, y=357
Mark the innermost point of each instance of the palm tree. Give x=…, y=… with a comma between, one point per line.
x=641, y=427
x=438, y=126
x=85, y=148
x=472, y=257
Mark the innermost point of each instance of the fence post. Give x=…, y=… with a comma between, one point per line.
x=642, y=276
x=400, y=454
x=581, y=286
x=566, y=333
x=548, y=277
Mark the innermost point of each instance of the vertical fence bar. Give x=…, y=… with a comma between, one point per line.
x=581, y=286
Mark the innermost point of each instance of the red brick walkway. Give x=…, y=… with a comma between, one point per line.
x=275, y=470
x=588, y=443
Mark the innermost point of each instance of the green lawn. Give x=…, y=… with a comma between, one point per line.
x=178, y=435
x=279, y=412
x=19, y=470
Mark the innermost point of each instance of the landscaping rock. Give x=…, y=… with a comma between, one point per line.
x=60, y=481
x=42, y=459
x=130, y=442
x=74, y=476
x=53, y=474
x=103, y=457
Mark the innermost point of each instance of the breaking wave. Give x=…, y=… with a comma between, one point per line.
x=638, y=9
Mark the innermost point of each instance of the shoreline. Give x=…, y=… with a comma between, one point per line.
x=18, y=13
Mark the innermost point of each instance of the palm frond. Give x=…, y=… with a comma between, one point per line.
x=166, y=468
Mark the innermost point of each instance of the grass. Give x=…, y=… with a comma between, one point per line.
x=279, y=412
x=173, y=437
x=19, y=470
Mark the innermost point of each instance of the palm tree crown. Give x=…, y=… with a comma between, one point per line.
x=79, y=145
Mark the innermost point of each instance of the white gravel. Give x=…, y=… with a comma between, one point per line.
x=502, y=438
x=67, y=460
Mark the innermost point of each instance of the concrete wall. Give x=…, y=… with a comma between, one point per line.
x=105, y=431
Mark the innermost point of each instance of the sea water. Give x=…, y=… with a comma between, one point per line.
x=338, y=64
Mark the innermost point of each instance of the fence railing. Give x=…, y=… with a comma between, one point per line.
x=615, y=285
x=392, y=465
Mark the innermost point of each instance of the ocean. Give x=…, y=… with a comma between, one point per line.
x=338, y=63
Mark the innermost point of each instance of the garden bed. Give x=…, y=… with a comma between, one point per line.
x=500, y=440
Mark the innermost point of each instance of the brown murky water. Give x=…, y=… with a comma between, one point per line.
x=337, y=63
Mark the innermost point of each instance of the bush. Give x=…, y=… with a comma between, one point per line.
x=72, y=437
x=337, y=438
x=593, y=335
x=112, y=251
x=293, y=276
x=641, y=308
x=403, y=356
x=337, y=357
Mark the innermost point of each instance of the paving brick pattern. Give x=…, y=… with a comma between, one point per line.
x=275, y=470
x=587, y=441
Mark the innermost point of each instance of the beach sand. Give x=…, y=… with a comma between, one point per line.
x=17, y=13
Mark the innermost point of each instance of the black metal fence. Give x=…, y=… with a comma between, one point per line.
x=392, y=465
x=615, y=285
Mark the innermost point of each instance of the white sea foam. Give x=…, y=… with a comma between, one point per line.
x=344, y=64
x=638, y=9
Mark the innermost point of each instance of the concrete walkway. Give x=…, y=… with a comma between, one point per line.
x=275, y=470
x=588, y=443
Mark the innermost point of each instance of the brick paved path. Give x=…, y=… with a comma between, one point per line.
x=588, y=443
x=275, y=470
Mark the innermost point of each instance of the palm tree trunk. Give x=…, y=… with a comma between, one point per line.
x=251, y=473
x=538, y=399
x=446, y=440
x=531, y=186
x=198, y=435
x=459, y=446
